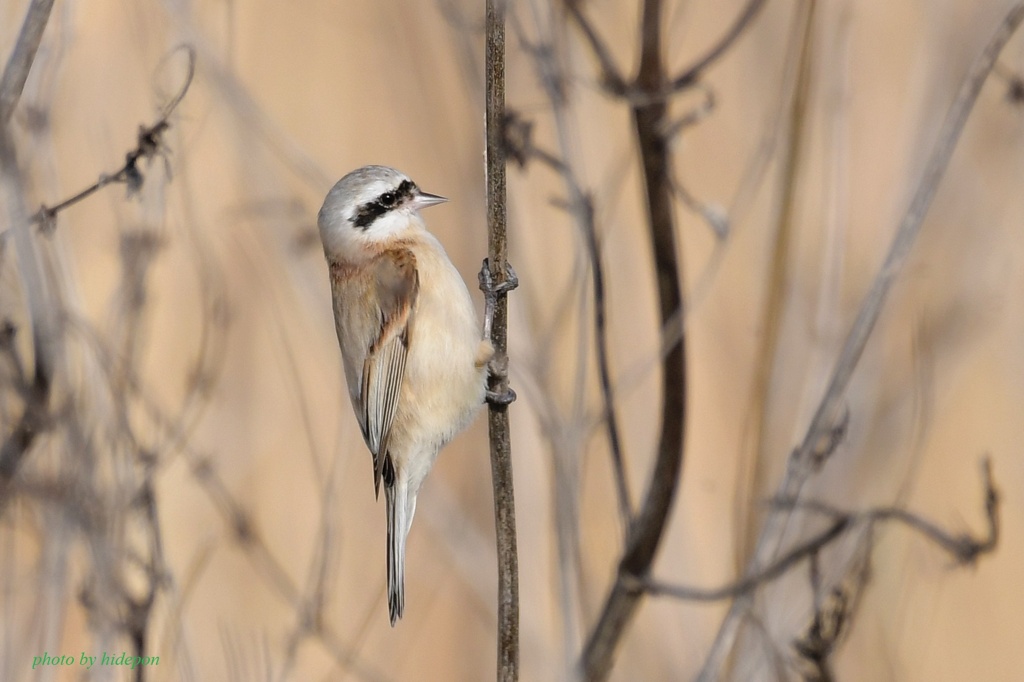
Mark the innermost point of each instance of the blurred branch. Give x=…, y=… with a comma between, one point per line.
x=805, y=459
x=612, y=79
x=964, y=548
x=498, y=421
x=1014, y=83
x=776, y=295
x=780, y=567
x=148, y=145
x=245, y=533
x=37, y=393
x=241, y=527
x=24, y=54
x=33, y=416
x=518, y=142
x=804, y=456
x=692, y=74
x=649, y=117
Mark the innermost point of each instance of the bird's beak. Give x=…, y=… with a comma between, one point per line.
x=423, y=199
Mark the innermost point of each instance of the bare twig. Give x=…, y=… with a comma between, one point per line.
x=693, y=73
x=37, y=393
x=241, y=527
x=498, y=421
x=776, y=293
x=585, y=208
x=903, y=240
x=649, y=116
x=611, y=78
x=763, y=576
x=24, y=54
x=964, y=548
x=148, y=145
x=613, y=81
x=803, y=461
x=519, y=144
x=32, y=421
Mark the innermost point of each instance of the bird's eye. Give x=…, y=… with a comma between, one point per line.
x=388, y=199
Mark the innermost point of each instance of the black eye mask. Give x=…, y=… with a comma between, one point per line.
x=392, y=199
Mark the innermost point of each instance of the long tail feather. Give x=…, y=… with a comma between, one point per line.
x=398, y=528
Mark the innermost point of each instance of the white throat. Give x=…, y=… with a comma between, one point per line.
x=345, y=242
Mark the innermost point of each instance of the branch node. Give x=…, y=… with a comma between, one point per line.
x=830, y=440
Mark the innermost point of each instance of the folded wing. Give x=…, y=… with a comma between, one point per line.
x=396, y=284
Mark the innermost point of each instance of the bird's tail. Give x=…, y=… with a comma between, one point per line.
x=399, y=519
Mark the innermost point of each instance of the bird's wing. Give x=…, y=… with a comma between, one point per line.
x=396, y=284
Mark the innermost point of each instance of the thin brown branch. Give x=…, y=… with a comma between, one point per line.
x=498, y=418
x=611, y=78
x=645, y=534
x=693, y=73
x=748, y=584
x=249, y=539
x=903, y=240
x=149, y=144
x=520, y=146
x=776, y=293
x=34, y=414
x=33, y=420
x=24, y=54
x=803, y=461
x=613, y=81
x=964, y=548
x=585, y=207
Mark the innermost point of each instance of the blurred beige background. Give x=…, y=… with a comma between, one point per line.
x=236, y=345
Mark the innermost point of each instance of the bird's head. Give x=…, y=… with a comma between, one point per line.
x=368, y=208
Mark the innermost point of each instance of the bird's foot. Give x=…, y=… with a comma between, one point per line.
x=490, y=287
x=494, y=289
x=501, y=398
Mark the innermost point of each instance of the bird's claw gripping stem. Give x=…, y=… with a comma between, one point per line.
x=491, y=291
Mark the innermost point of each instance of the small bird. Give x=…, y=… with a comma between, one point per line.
x=415, y=358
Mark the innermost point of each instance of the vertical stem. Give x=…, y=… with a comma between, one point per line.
x=649, y=524
x=777, y=295
x=24, y=54
x=498, y=422
x=802, y=462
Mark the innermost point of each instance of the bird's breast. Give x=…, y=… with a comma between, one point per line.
x=443, y=385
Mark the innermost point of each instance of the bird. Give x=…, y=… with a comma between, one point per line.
x=414, y=355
